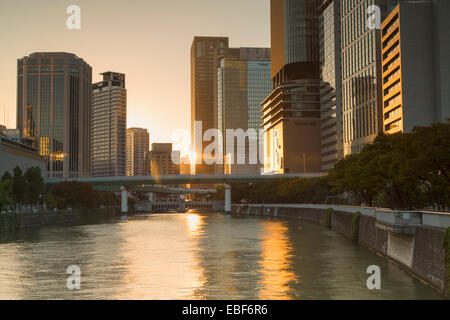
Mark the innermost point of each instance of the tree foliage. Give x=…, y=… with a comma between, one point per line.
x=78, y=195
x=400, y=171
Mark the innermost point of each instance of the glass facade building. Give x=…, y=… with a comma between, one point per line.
x=53, y=111
x=361, y=74
x=109, y=126
x=243, y=81
x=291, y=113
x=330, y=83
x=203, y=74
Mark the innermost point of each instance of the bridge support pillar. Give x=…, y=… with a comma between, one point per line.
x=124, y=193
x=227, y=198
x=181, y=205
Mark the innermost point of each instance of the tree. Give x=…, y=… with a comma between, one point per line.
x=109, y=199
x=19, y=187
x=6, y=194
x=6, y=176
x=76, y=195
x=402, y=171
x=35, y=184
x=432, y=162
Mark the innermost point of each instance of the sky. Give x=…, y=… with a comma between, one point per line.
x=148, y=40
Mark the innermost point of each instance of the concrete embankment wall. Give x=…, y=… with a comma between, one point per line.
x=420, y=253
x=16, y=222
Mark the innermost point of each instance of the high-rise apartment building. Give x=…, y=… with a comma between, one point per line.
x=109, y=125
x=361, y=73
x=330, y=83
x=137, y=147
x=54, y=111
x=203, y=72
x=291, y=113
x=243, y=82
x=415, y=61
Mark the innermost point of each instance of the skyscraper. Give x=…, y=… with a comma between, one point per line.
x=291, y=113
x=109, y=125
x=54, y=110
x=361, y=74
x=330, y=83
x=203, y=71
x=243, y=82
x=137, y=147
x=414, y=79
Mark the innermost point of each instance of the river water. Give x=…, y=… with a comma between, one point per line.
x=196, y=256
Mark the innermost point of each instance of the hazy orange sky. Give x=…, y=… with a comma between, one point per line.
x=147, y=40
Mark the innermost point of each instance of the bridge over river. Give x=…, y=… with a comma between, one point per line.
x=154, y=183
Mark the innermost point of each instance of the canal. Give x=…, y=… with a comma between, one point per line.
x=197, y=256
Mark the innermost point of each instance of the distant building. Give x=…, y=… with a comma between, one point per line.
x=415, y=65
x=13, y=135
x=291, y=113
x=109, y=125
x=54, y=111
x=160, y=160
x=14, y=154
x=203, y=72
x=137, y=147
x=243, y=83
x=330, y=83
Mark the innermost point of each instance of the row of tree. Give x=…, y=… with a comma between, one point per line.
x=401, y=171
x=28, y=189
x=21, y=188
x=78, y=195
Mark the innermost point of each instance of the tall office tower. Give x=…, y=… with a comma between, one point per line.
x=54, y=110
x=137, y=147
x=203, y=72
x=109, y=126
x=243, y=83
x=291, y=113
x=160, y=159
x=330, y=83
x=361, y=73
x=219, y=54
x=415, y=81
